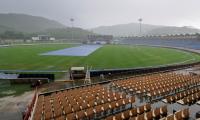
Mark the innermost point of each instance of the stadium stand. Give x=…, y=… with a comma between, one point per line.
x=192, y=44
x=146, y=97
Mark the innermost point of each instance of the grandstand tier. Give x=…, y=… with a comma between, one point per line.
x=164, y=96
x=183, y=43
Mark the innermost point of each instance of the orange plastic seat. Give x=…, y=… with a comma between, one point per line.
x=147, y=107
x=70, y=116
x=89, y=112
x=185, y=113
x=140, y=110
x=149, y=115
x=156, y=113
x=133, y=112
x=80, y=115
x=163, y=110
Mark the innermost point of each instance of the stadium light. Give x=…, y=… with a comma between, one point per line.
x=72, y=26
x=140, y=21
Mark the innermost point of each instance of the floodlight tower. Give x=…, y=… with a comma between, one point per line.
x=72, y=26
x=87, y=76
x=140, y=21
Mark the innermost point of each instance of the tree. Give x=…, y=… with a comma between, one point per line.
x=12, y=35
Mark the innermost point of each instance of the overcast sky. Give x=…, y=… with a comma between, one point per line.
x=92, y=13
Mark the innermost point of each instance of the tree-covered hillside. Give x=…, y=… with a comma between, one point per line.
x=21, y=26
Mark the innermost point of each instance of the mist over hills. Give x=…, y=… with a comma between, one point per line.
x=173, y=30
x=34, y=25
x=132, y=29
x=28, y=24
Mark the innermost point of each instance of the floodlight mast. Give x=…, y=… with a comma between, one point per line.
x=140, y=21
x=87, y=76
x=72, y=26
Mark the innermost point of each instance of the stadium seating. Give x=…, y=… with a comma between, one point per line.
x=179, y=115
x=192, y=44
x=131, y=113
x=157, y=85
x=190, y=99
x=182, y=95
x=130, y=98
x=81, y=103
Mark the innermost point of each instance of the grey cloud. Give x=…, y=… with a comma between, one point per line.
x=91, y=13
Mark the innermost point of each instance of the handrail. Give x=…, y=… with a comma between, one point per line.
x=30, y=106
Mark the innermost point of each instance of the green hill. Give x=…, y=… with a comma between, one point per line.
x=66, y=33
x=26, y=23
x=4, y=28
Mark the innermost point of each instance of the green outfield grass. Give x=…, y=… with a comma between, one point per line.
x=108, y=56
x=15, y=90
